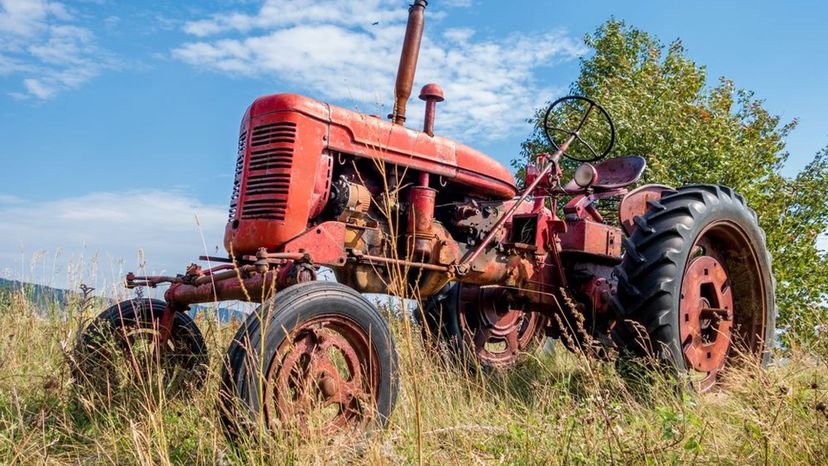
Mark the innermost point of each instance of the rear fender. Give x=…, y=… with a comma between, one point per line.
x=635, y=204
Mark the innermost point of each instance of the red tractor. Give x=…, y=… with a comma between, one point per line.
x=685, y=276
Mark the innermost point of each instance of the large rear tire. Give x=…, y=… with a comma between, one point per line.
x=317, y=357
x=695, y=285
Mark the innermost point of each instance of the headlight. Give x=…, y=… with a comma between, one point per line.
x=585, y=175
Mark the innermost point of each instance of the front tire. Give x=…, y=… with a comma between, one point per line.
x=118, y=349
x=317, y=357
x=695, y=284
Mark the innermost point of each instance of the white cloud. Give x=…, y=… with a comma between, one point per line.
x=822, y=242
x=36, y=88
x=39, y=42
x=279, y=13
x=333, y=50
x=456, y=3
x=28, y=17
x=10, y=199
x=49, y=241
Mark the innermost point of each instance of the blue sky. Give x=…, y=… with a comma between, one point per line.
x=118, y=120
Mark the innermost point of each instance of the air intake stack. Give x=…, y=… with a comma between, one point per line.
x=408, y=59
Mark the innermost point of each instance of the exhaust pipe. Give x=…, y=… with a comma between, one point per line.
x=408, y=59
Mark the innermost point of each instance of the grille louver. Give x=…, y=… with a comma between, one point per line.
x=234, y=197
x=268, y=172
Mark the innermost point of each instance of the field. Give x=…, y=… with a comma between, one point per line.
x=555, y=408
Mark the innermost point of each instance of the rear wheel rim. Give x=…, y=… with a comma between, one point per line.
x=324, y=377
x=722, y=302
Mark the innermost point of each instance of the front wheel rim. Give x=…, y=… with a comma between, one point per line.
x=324, y=377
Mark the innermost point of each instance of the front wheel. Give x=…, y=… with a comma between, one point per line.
x=317, y=357
x=695, y=285
x=120, y=349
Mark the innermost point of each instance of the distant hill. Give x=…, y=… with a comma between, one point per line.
x=45, y=297
x=224, y=314
x=39, y=295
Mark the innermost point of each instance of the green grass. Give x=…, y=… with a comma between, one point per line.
x=552, y=409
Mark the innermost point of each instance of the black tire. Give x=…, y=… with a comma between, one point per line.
x=184, y=357
x=252, y=353
x=657, y=257
x=438, y=320
x=443, y=326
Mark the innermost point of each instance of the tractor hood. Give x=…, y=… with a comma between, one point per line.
x=369, y=136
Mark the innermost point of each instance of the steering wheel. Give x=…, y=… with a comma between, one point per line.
x=567, y=108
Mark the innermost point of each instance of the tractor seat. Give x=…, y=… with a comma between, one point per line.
x=613, y=173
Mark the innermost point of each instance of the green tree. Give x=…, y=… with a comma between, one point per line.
x=690, y=132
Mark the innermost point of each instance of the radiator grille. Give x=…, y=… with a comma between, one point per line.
x=274, y=133
x=268, y=172
x=234, y=197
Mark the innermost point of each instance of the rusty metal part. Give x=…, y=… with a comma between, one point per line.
x=636, y=202
x=300, y=272
x=250, y=282
x=408, y=59
x=215, y=259
x=382, y=260
x=432, y=94
x=216, y=276
x=496, y=328
x=350, y=196
x=165, y=325
x=706, y=317
x=721, y=304
x=592, y=238
x=324, y=244
x=463, y=267
x=135, y=281
x=420, y=218
x=582, y=206
x=599, y=290
x=322, y=185
x=326, y=379
x=446, y=251
x=194, y=276
x=365, y=277
x=253, y=288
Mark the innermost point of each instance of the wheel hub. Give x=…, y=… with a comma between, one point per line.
x=500, y=318
x=322, y=373
x=706, y=317
x=498, y=330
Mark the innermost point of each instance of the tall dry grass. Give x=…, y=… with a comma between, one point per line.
x=555, y=407
x=551, y=409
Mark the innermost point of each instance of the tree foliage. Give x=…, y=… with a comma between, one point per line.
x=691, y=132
